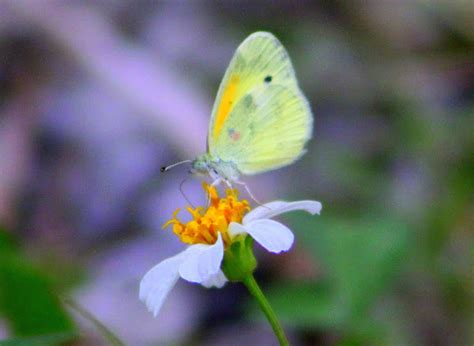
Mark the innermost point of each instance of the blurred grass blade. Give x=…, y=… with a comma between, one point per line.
x=41, y=340
x=101, y=328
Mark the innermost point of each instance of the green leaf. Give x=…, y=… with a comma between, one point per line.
x=6, y=242
x=27, y=299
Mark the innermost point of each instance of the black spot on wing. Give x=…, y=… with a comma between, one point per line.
x=268, y=79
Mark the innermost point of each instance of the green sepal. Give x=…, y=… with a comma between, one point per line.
x=239, y=261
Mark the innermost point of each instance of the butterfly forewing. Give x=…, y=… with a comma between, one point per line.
x=260, y=59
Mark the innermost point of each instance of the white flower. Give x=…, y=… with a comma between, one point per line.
x=201, y=263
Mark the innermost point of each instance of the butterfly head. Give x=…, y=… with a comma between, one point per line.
x=200, y=165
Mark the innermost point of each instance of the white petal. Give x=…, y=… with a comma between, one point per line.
x=274, y=208
x=158, y=282
x=217, y=280
x=235, y=229
x=202, y=261
x=272, y=235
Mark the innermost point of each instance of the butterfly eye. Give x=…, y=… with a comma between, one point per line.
x=268, y=79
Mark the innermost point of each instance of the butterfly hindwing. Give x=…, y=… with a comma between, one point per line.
x=266, y=129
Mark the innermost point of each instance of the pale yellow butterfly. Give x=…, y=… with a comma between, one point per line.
x=260, y=120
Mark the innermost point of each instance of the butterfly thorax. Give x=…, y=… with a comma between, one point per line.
x=215, y=167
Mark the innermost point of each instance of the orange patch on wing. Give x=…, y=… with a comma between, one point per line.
x=227, y=101
x=234, y=135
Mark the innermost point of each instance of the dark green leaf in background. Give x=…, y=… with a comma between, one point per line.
x=27, y=299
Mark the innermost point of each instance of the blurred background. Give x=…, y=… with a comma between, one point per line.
x=95, y=96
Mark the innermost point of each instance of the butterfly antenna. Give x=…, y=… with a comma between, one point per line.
x=182, y=191
x=167, y=168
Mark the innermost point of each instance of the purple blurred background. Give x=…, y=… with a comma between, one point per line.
x=97, y=96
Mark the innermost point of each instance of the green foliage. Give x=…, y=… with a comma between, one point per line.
x=27, y=299
x=305, y=305
x=360, y=259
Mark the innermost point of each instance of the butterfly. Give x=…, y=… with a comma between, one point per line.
x=261, y=120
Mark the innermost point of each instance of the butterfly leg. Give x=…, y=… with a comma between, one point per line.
x=227, y=182
x=248, y=191
x=216, y=182
x=181, y=185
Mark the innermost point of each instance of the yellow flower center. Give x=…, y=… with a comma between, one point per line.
x=207, y=223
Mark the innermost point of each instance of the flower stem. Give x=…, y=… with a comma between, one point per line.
x=252, y=286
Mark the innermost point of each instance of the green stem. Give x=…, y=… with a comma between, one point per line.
x=103, y=330
x=255, y=290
